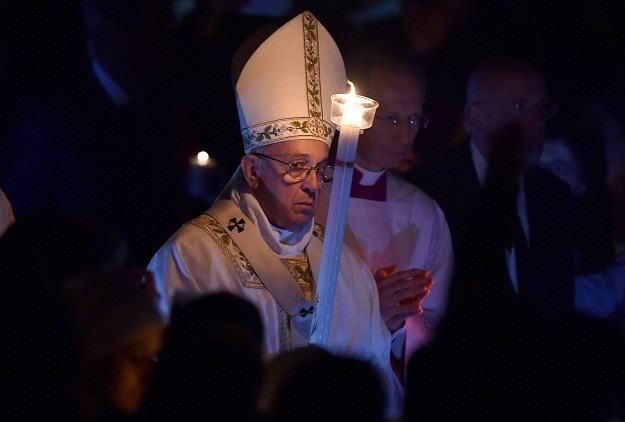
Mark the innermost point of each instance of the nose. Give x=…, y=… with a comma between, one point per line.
x=404, y=133
x=537, y=112
x=535, y=118
x=311, y=181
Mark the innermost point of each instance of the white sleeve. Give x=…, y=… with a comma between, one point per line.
x=421, y=328
x=190, y=264
x=171, y=275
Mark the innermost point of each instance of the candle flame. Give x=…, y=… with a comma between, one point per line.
x=352, y=88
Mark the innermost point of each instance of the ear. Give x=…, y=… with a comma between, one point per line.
x=249, y=166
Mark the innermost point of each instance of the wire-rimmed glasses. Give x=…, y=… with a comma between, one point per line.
x=299, y=170
x=414, y=120
x=524, y=106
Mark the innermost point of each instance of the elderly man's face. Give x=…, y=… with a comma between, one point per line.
x=499, y=100
x=387, y=144
x=287, y=203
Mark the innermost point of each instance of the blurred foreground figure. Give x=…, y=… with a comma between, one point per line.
x=518, y=368
x=6, y=213
x=210, y=367
x=41, y=360
x=121, y=333
x=338, y=388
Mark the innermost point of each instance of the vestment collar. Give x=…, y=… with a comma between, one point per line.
x=282, y=242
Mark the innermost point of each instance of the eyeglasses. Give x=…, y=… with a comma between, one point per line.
x=414, y=120
x=299, y=170
x=524, y=107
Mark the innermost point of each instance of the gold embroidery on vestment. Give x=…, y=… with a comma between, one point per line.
x=299, y=268
x=239, y=262
x=319, y=231
x=284, y=326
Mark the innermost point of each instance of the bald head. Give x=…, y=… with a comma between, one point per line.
x=494, y=74
x=505, y=91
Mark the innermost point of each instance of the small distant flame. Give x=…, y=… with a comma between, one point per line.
x=203, y=158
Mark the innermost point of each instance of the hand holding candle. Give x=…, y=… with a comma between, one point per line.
x=401, y=293
x=351, y=113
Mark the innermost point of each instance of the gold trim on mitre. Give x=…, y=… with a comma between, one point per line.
x=280, y=94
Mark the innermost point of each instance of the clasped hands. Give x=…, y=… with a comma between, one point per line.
x=401, y=293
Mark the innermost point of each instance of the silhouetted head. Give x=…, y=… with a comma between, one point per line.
x=312, y=384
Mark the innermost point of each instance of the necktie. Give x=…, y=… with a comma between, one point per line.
x=521, y=253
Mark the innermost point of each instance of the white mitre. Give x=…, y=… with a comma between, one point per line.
x=283, y=91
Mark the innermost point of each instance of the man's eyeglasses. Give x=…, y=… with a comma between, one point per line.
x=414, y=120
x=524, y=107
x=299, y=170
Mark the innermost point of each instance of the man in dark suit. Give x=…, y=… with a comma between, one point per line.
x=101, y=145
x=512, y=223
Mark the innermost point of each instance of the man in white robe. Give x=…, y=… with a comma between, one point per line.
x=393, y=225
x=260, y=241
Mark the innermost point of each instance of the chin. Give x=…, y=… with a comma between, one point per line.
x=389, y=164
x=297, y=225
x=394, y=159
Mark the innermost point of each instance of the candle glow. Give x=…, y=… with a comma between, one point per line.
x=203, y=158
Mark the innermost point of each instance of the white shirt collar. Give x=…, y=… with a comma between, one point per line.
x=115, y=92
x=369, y=178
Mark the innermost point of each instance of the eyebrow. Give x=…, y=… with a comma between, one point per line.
x=293, y=155
x=388, y=113
x=302, y=157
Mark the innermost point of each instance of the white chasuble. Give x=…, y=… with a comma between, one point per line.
x=202, y=258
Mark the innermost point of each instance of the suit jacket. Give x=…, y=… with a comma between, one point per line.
x=452, y=182
x=479, y=225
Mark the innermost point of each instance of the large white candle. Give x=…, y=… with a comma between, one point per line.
x=351, y=121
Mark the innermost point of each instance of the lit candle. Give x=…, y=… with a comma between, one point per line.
x=202, y=177
x=351, y=113
x=203, y=159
